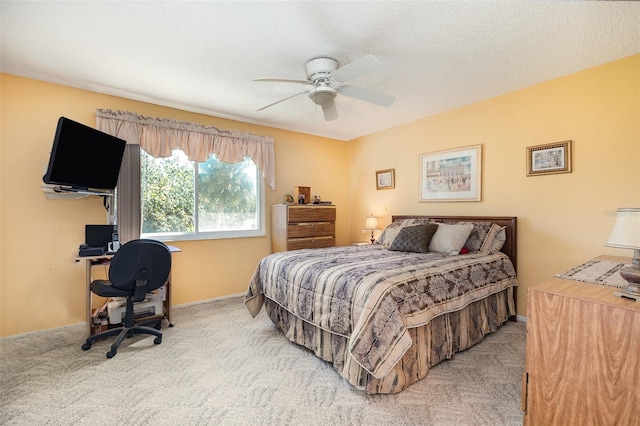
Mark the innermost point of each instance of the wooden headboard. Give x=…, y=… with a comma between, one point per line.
x=510, y=247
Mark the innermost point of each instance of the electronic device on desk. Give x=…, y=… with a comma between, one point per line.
x=85, y=250
x=99, y=240
x=96, y=240
x=114, y=245
x=98, y=235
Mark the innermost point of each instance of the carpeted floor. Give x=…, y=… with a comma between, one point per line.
x=219, y=366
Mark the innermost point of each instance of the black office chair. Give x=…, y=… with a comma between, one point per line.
x=139, y=267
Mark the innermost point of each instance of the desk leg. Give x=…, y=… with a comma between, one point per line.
x=167, y=306
x=88, y=297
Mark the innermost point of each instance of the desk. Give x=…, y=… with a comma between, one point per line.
x=103, y=260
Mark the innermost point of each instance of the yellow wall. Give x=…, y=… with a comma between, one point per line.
x=563, y=219
x=42, y=287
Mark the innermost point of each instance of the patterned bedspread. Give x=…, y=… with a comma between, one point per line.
x=372, y=295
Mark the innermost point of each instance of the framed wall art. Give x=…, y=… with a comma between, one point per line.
x=549, y=159
x=385, y=179
x=451, y=175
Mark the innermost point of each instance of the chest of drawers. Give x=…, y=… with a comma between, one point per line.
x=297, y=227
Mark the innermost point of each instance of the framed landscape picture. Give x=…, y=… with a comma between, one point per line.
x=549, y=159
x=451, y=175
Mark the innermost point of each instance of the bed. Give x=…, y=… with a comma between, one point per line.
x=384, y=314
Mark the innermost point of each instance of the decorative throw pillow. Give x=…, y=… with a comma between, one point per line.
x=413, y=238
x=494, y=240
x=477, y=236
x=450, y=238
x=389, y=233
x=392, y=229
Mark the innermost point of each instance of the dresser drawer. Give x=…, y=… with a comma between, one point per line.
x=311, y=214
x=307, y=243
x=310, y=229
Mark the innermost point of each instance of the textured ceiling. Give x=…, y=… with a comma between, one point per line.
x=204, y=56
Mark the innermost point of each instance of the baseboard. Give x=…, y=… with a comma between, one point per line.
x=521, y=318
x=199, y=302
x=80, y=325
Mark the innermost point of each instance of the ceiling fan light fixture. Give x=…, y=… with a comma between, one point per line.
x=322, y=95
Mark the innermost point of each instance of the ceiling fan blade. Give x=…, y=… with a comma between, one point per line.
x=283, y=80
x=357, y=68
x=367, y=95
x=282, y=100
x=330, y=111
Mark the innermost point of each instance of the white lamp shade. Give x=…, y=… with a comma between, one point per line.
x=626, y=230
x=371, y=224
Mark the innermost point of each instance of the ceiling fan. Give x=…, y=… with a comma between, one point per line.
x=327, y=80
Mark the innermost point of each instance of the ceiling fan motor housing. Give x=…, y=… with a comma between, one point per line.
x=320, y=69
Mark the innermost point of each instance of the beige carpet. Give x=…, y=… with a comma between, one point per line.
x=219, y=366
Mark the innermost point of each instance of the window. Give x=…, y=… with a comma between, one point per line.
x=186, y=200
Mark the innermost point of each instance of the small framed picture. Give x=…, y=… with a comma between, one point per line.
x=549, y=159
x=385, y=179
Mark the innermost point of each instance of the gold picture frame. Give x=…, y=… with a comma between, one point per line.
x=549, y=159
x=451, y=175
x=386, y=179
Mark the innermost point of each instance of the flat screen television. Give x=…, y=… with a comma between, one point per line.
x=83, y=158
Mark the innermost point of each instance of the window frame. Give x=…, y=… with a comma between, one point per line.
x=213, y=235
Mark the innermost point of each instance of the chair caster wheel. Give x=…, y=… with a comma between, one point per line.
x=157, y=340
x=86, y=346
x=111, y=354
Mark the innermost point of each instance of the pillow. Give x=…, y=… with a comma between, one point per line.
x=392, y=230
x=389, y=234
x=414, y=238
x=450, y=238
x=477, y=236
x=494, y=240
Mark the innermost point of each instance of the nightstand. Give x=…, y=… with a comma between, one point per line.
x=582, y=362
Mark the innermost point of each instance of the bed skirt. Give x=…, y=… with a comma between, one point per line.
x=434, y=342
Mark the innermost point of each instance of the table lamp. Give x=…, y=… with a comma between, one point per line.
x=371, y=225
x=626, y=235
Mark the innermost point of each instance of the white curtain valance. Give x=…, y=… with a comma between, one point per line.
x=158, y=136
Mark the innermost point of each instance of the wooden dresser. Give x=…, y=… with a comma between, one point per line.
x=297, y=227
x=583, y=352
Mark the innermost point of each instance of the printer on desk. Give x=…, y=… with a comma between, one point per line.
x=116, y=309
